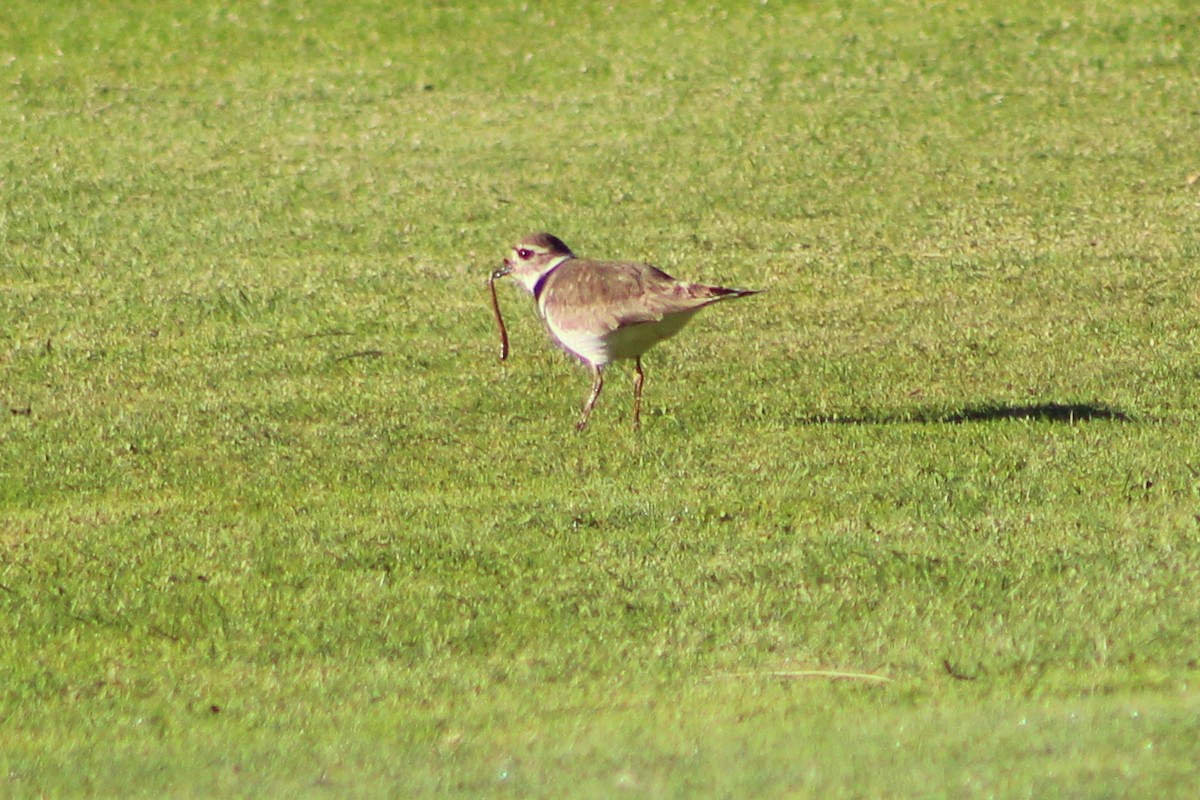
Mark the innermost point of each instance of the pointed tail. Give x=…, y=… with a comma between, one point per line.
x=725, y=293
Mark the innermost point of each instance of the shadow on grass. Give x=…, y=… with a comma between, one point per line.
x=1044, y=412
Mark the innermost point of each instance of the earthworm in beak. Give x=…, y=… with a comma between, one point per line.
x=499, y=273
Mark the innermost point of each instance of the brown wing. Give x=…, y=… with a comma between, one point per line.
x=606, y=295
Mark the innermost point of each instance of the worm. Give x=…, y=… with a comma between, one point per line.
x=496, y=312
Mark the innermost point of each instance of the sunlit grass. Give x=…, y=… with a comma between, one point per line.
x=277, y=522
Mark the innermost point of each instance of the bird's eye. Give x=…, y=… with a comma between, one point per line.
x=524, y=253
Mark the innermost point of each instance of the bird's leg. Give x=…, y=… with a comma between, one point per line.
x=597, y=385
x=638, y=380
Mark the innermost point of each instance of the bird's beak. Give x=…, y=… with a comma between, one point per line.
x=502, y=271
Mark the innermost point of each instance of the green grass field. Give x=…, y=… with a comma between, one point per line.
x=276, y=522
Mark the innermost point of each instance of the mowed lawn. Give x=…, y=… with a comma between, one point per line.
x=923, y=519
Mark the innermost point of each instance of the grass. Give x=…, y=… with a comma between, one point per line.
x=275, y=521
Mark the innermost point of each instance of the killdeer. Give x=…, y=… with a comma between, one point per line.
x=603, y=311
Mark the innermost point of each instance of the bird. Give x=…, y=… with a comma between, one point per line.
x=605, y=311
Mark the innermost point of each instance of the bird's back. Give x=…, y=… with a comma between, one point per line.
x=607, y=310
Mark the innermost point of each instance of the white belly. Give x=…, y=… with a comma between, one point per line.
x=629, y=341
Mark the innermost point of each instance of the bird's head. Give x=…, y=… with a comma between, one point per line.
x=533, y=257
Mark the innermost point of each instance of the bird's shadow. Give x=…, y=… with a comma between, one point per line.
x=1068, y=413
